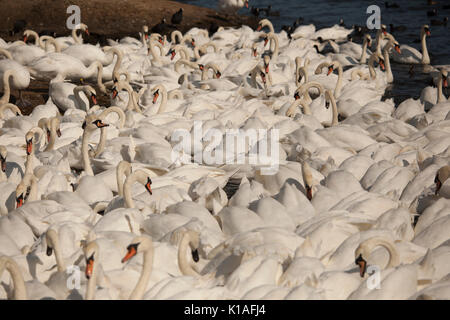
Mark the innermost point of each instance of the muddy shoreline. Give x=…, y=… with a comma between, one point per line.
x=112, y=19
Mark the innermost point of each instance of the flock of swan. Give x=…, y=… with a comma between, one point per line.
x=91, y=196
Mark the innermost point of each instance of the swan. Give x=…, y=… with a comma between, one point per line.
x=20, y=76
x=30, y=290
x=91, y=123
x=232, y=6
x=25, y=54
x=441, y=177
x=265, y=23
x=411, y=55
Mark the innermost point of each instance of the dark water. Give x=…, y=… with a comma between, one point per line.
x=411, y=14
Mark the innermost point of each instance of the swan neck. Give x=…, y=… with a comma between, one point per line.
x=20, y=292
x=425, y=56
x=139, y=290
x=85, y=153
x=185, y=266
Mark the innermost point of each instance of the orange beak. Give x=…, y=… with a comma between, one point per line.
x=265, y=41
x=146, y=36
x=385, y=32
x=259, y=28
x=29, y=146
x=267, y=68
x=101, y=125
x=115, y=93
x=330, y=70
x=89, y=268
x=160, y=40
x=246, y=4
x=362, y=267
x=382, y=65
x=428, y=33
x=445, y=83
x=255, y=52
x=130, y=254
x=87, y=32
x=193, y=43
x=148, y=186
x=19, y=202
x=397, y=48
x=25, y=38
x=58, y=132
x=263, y=77
x=172, y=55
x=48, y=135
x=155, y=97
x=94, y=99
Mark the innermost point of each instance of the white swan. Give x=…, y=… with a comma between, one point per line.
x=411, y=55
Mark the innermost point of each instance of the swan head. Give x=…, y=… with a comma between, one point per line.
x=368, y=38
x=397, y=47
x=138, y=244
x=384, y=29
x=91, y=122
x=155, y=96
x=22, y=192
x=145, y=32
x=3, y=154
x=30, y=137
x=91, y=252
x=172, y=53
x=426, y=29
x=362, y=265
x=84, y=28
x=255, y=50
x=89, y=92
x=444, y=75
x=27, y=34
x=441, y=176
x=55, y=124
x=49, y=236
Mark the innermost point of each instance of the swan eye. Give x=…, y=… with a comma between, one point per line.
x=195, y=255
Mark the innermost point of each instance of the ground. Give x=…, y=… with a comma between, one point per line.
x=106, y=19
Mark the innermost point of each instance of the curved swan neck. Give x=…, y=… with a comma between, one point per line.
x=8, y=264
x=183, y=263
x=137, y=176
x=123, y=168
x=364, y=51
x=6, y=87
x=163, y=105
x=425, y=56
x=366, y=247
x=139, y=290
x=53, y=241
x=85, y=152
